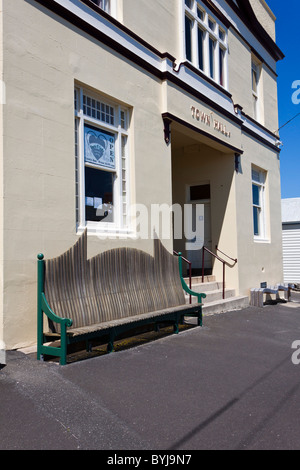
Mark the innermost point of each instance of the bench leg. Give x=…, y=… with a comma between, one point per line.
x=176, y=325
x=200, y=318
x=110, y=345
x=63, y=345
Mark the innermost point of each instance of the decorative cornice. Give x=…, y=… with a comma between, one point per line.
x=245, y=11
x=171, y=117
x=161, y=65
x=203, y=76
x=105, y=29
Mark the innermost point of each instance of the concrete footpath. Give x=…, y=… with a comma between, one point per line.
x=228, y=385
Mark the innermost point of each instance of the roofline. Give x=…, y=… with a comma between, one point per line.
x=268, y=9
x=245, y=11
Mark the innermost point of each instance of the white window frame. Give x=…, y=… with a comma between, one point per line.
x=259, y=178
x=256, y=72
x=121, y=184
x=215, y=34
x=109, y=6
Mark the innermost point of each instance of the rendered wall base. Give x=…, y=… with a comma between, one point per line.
x=2, y=354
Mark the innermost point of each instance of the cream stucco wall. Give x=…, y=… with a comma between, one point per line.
x=259, y=261
x=239, y=71
x=265, y=16
x=2, y=104
x=270, y=99
x=155, y=22
x=43, y=58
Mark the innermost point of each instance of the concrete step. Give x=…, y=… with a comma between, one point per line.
x=206, y=287
x=198, y=279
x=222, y=306
x=226, y=305
x=212, y=295
x=214, y=302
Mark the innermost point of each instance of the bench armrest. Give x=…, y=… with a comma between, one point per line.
x=184, y=284
x=43, y=307
x=51, y=315
x=191, y=292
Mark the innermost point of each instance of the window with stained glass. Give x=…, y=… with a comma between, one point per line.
x=101, y=160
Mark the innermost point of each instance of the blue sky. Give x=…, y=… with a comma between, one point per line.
x=287, y=26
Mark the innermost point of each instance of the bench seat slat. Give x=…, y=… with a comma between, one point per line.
x=182, y=310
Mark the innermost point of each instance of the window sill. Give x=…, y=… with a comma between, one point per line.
x=261, y=240
x=205, y=77
x=108, y=231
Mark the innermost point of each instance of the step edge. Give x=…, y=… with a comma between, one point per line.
x=224, y=301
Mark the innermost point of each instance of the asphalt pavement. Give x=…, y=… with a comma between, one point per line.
x=230, y=385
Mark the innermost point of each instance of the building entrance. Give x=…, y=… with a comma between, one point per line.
x=199, y=195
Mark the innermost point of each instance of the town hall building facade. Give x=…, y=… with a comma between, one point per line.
x=115, y=107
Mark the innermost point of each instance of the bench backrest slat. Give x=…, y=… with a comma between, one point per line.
x=115, y=284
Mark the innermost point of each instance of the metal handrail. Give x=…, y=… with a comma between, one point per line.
x=190, y=271
x=235, y=260
x=219, y=259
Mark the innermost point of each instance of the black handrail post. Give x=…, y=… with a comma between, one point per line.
x=219, y=259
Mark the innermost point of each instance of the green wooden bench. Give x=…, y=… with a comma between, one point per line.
x=108, y=295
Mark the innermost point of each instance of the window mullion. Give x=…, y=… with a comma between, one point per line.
x=225, y=65
x=188, y=38
x=217, y=61
x=195, y=42
x=206, y=53
x=201, y=58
